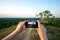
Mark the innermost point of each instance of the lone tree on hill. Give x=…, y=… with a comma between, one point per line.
x=45, y=15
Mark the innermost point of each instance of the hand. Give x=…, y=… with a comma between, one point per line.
x=20, y=26
x=41, y=31
x=17, y=30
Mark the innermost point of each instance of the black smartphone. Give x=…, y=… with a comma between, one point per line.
x=31, y=24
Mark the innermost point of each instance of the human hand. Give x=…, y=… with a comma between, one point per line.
x=41, y=31
x=16, y=31
x=20, y=26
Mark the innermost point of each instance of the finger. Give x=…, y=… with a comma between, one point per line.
x=23, y=22
x=37, y=20
x=38, y=23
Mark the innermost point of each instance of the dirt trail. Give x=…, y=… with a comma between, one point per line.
x=25, y=35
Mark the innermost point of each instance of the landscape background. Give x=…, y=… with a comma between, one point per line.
x=14, y=11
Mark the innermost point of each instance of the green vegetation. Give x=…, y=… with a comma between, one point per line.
x=7, y=25
x=46, y=17
x=4, y=32
x=51, y=23
x=8, y=22
x=34, y=35
x=53, y=27
x=53, y=33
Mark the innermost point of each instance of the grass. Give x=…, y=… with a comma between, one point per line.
x=34, y=35
x=4, y=32
x=53, y=33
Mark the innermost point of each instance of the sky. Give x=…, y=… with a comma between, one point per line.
x=28, y=8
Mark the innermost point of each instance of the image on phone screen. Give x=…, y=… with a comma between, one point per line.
x=31, y=25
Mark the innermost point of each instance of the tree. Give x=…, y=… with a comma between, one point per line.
x=53, y=18
x=46, y=14
x=41, y=15
x=37, y=15
x=46, y=17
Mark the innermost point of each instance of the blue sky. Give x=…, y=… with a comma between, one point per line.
x=28, y=8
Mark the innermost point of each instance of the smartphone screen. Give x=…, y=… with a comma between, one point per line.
x=31, y=25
